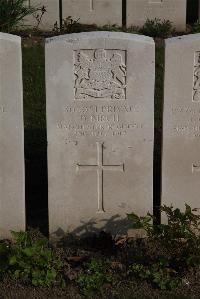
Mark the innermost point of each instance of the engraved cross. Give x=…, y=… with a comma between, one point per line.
x=100, y=167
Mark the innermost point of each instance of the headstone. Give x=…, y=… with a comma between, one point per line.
x=138, y=11
x=99, y=12
x=181, y=124
x=12, y=200
x=100, y=90
x=50, y=17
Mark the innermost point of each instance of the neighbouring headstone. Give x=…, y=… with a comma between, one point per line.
x=138, y=11
x=48, y=19
x=12, y=199
x=99, y=12
x=181, y=124
x=100, y=94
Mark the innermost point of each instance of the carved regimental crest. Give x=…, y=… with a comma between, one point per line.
x=196, y=85
x=100, y=74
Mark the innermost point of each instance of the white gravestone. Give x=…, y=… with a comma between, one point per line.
x=99, y=12
x=100, y=90
x=138, y=11
x=50, y=17
x=12, y=200
x=181, y=125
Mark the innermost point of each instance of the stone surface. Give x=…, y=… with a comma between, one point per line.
x=181, y=125
x=12, y=201
x=100, y=12
x=50, y=17
x=100, y=91
x=138, y=11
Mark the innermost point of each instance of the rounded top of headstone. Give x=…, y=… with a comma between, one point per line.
x=10, y=37
x=75, y=37
x=183, y=38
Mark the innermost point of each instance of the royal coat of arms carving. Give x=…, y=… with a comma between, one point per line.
x=100, y=74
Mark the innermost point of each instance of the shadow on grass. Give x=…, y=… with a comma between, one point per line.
x=35, y=136
x=158, y=108
x=36, y=180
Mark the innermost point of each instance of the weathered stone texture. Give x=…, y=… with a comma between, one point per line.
x=181, y=124
x=100, y=12
x=100, y=90
x=50, y=17
x=12, y=199
x=138, y=11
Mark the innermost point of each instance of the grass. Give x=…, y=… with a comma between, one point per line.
x=159, y=85
x=34, y=86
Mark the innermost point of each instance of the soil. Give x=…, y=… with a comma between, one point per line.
x=120, y=253
x=12, y=290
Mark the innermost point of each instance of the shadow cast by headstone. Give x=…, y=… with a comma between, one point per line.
x=93, y=232
x=36, y=179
